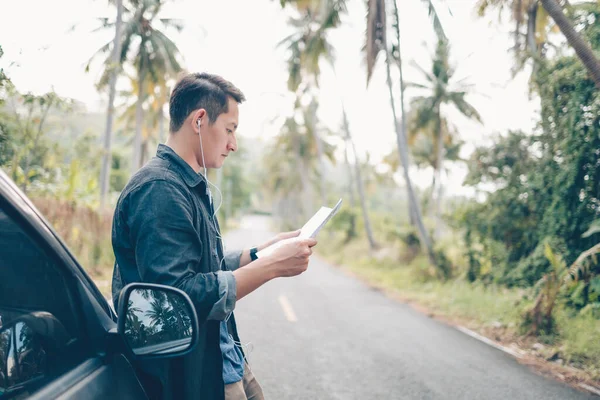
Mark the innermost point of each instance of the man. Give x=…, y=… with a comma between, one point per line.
x=165, y=231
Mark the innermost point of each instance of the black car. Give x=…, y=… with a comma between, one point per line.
x=59, y=337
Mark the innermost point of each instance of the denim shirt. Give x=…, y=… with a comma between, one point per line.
x=163, y=232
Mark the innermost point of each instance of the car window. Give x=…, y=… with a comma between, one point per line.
x=39, y=337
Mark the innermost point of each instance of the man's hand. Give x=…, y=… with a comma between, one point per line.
x=291, y=256
x=279, y=237
x=245, y=257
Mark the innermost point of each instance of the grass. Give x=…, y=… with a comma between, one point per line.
x=493, y=310
x=414, y=281
x=87, y=234
x=580, y=343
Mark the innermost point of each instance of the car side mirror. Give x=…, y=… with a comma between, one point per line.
x=156, y=321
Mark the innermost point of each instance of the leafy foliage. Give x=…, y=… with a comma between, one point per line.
x=541, y=190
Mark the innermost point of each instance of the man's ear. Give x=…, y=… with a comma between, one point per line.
x=199, y=119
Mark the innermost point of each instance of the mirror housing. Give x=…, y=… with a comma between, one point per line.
x=156, y=321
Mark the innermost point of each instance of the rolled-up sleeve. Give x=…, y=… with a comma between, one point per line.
x=232, y=260
x=227, y=296
x=168, y=248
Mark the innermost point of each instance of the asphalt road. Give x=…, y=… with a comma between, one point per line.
x=326, y=335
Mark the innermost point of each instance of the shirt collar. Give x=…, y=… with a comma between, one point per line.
x=191, y=177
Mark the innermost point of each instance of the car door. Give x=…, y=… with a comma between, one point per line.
x=55, y=327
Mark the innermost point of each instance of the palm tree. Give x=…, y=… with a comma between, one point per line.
x=149, y=51
x=299, y=137
x=114, y=73
x=581, y=47
x=422, y=145
x=154, y=120
x=428, y=113
x=423, y=148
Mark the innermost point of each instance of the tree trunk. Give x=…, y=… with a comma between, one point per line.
x=320, y=159
x=114, y=73
x=351, y=232
x=431, y=204
x=161, y=125
x=139, y=120
x=581, y=47
x=347, y=145
x=412, y=210
x=518, y=27
x=438, y=172
x=359, y=183
x=402, y=146
x=531, y=23
x=144, y=152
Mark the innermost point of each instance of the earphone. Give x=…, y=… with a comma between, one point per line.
x=208, y=192
x=199, y=125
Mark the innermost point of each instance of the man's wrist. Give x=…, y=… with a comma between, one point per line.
x=253, y=256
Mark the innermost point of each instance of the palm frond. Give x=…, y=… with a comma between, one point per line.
x=437, y=25
x=594, y=228
x=429, y=76
x=174, y=23
x=105, y=23
x=101, y=51
x=169, y=51
x=580, y=269
x=458, y=99
x=415, y=85
x=334, y=10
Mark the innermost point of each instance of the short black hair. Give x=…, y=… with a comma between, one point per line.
x=201, y=90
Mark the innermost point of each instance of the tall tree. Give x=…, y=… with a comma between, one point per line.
x=114, y=69
x=422, y=145
x=428, y=109
x=154, y=120
x=290, y=178
x=376, y=41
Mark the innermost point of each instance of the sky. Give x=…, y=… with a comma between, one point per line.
x=48, y=43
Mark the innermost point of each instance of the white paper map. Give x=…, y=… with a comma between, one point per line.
x=310, y=229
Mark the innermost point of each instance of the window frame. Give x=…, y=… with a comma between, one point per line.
x=37, y=232
x=33, y=222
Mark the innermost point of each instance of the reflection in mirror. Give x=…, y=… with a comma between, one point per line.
x=22, y=356
x=157, y=322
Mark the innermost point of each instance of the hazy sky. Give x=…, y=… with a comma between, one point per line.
x=237, y=39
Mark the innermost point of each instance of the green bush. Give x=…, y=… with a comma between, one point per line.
x=530, y=269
